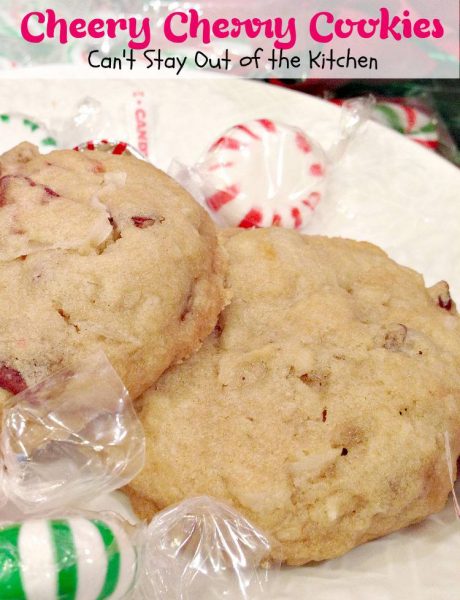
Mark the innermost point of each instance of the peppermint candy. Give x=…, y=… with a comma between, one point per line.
x=85, y=559
x=261, y=174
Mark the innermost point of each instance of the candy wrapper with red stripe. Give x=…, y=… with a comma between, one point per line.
x=260, y=173
x=264, y=173
x=118, y=148
x=92, y=126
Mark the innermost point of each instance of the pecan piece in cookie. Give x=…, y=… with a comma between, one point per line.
x=395, y=337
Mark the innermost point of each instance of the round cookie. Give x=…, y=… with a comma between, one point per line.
x=319, y=405
x=100, y=252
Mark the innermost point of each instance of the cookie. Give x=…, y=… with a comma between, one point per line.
x=319, y=405
x=100, y=252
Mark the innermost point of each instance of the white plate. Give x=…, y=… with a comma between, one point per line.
x=387, y=190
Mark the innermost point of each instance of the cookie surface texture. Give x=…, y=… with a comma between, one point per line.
x=100, y=252
x=319, y=405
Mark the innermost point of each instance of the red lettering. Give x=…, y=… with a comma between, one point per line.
x=422, y=28
x=168, y=29
x=196, y=23
x=438, y=30
x=96, y=28
x=372, y=23
x=389, y=27
x=314, y=31
x=340, y=28
x=220, y=28
x=53, y=24
x=77, y=28
x=113, y=25
x=26, y=33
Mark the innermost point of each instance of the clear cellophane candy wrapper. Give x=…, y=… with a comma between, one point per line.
x=265, y=173
x=415, y=116
x=354, y=114
x=198, y=550
x=258, y=174
x=84, y=555
x=202, y=549
x=3, y=496
x=453, y=470
x=73, y=436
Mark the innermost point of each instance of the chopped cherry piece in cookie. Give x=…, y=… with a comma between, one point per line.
x=446, y=304
x=144, y=222
x=30, y=181
x=11, y=380
x=444, y=298
x=51, y=192
x=6, y=180
x=441, y=294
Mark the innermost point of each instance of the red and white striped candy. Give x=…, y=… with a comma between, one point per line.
x=263, y=173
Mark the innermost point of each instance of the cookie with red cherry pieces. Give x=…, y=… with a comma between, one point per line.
x=101, y=252
x=319, y=405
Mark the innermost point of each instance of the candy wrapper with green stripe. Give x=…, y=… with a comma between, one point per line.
x=200, y=549
x=73, y=437
x=84, y=556
x=413, y=114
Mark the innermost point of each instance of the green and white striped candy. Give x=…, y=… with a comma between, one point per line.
x=408, y=120
x=67, y=559
x=15, y=128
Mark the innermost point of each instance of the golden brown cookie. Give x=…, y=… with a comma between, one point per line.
x=319, y=405
x=100, y=251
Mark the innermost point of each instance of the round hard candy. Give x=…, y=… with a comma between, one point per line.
x=74, y=558
x=16, y=128
x=263, y=173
